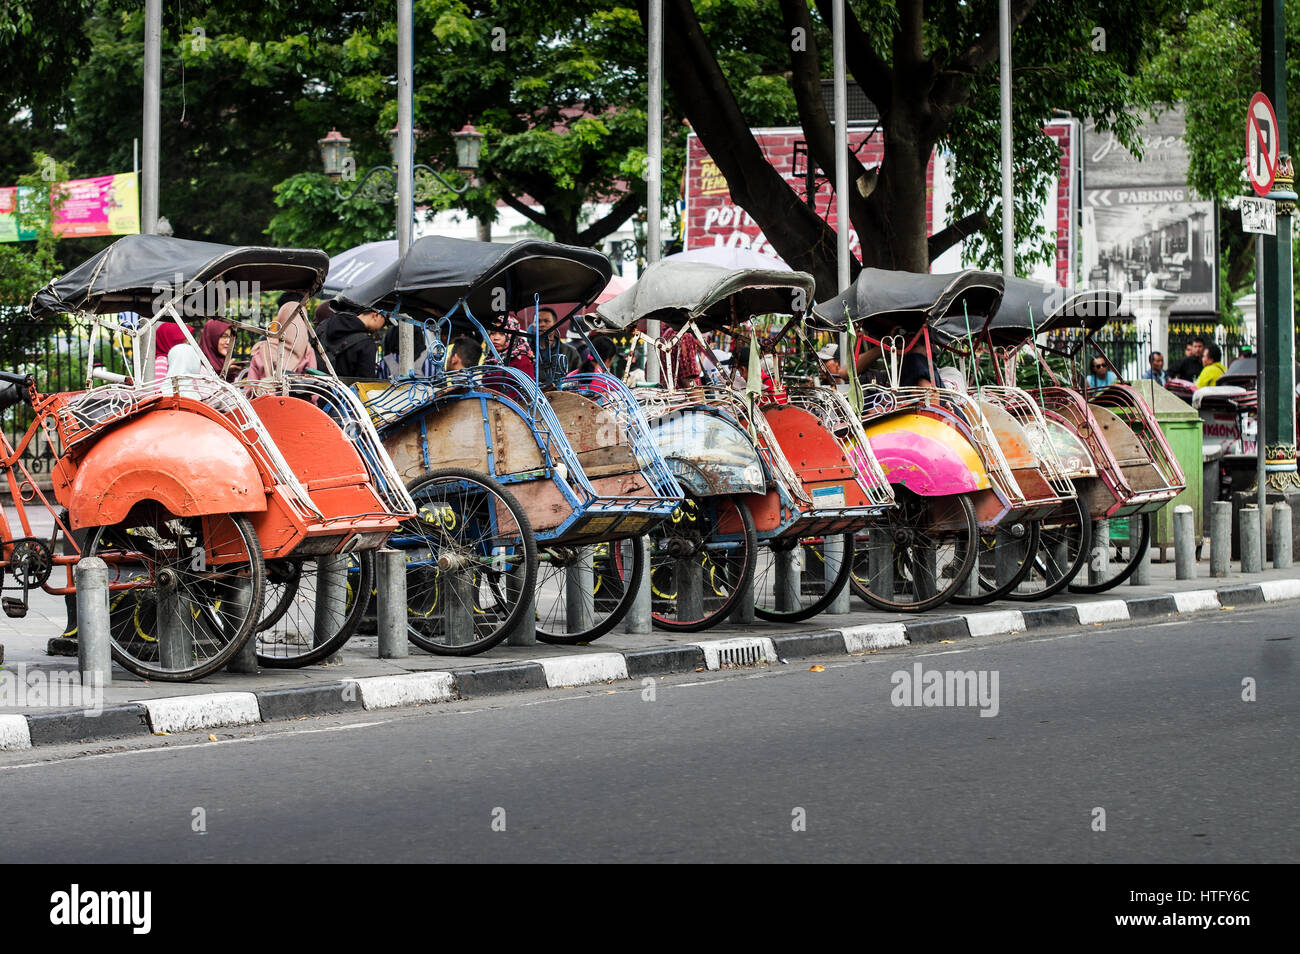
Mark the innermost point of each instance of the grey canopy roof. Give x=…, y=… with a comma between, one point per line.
x=437, y=272
x=1029, y=307
x=141, y=272
x=677, y=291
x=881, y=298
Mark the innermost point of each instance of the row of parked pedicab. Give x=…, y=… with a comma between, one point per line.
x=229, y=511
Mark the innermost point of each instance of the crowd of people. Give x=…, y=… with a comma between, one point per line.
x=356, y=349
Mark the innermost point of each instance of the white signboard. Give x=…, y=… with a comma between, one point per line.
x=1259, y=216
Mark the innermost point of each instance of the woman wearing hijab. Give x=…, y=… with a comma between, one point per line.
x=297, y=355
x=165, y=337
x=215, y=341
x=514, y=348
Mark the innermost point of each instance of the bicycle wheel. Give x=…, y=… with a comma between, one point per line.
x=701, y=561
x=471, y=556
x=919, y=557
x=198, y=585
x=1005, y=557
x=584, y=592
x=315, y=605
x=790, y=580
x=1063, y=544
x=1113, y=556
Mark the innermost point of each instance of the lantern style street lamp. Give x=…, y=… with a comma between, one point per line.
x=379, y=183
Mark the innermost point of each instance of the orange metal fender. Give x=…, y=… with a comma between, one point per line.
x=187, y=462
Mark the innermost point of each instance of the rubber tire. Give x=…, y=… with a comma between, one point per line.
x=1144, y=544
x=257, y=572
x=1000, y=592
x=938, y=599
x=837, y=586
x=746, y=581
x=632, y=586
x=530, y=561
x=1080, y=560
x=364, y=584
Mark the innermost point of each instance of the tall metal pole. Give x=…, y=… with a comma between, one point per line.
x=654, y=166
x=405, y=171
x=1008, y=194
x=152, y=97
x=841, y=162
x=1276, y=304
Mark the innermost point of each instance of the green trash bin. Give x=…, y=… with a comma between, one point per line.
x=1181, y=426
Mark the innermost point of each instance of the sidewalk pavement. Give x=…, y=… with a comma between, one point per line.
x=359, y=679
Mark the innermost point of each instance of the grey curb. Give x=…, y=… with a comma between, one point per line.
x=299, y=701
x=118, y=721
x=131, y=719
x=507, y=677
x=802, y=645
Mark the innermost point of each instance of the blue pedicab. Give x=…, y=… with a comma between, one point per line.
x=533, y=496
x=776, y=483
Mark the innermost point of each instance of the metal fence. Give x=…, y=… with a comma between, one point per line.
x=55, y=353
x=1233, y=342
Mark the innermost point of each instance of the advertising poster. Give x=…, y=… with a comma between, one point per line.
x=1142, y=225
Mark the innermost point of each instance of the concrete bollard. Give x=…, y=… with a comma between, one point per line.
x=1184, y=543
x=458, y=589
x=789, y=578
x=971, y=585
x=689, y=577
x=833, y=551
x=743, y=611
x=580, y=592
x=175, y=641
x=1099, y=561
x=390, y=603
x=525, y=633
x=1250, y=530
x=638, y=619
x=1142, y=575
x=1220, y=537
x=331, y=596
x=244, y=661
x=94, y=640
x=880, y=564
x=1281, y=536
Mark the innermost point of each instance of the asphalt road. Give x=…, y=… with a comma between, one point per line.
x=1144, y=721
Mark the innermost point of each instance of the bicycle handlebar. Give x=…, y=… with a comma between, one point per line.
x=22, y=380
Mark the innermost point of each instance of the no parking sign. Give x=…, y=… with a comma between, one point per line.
x=1261, y=144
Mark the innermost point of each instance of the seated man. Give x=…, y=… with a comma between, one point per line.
x=1101, y=376
x=1213, y=368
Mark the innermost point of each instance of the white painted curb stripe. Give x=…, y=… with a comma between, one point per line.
x=996, y=622
x=407, y=689
x=583, y=670
x=1275, y=590
x=1193, y=601
x=183, y=713
x=861, y=639
x=715, y=650
x=1106, y=611
x=14, y=733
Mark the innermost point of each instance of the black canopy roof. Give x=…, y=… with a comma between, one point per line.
x=141, y=272
x=437, y=272
x=714, y=295
x=1029, y=308
x=881, y=298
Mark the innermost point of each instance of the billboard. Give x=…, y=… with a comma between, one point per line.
x=712, y=218
x=1142, y=225
x=103, y=205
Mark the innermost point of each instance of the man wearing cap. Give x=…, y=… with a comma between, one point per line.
x=831, y=367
